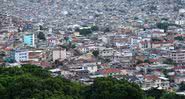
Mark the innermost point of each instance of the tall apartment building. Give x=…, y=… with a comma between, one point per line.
x=59, y=54
x=29, y=39
x=178, y=56
x=20, y=55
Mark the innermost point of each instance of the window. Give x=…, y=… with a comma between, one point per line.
x=85, y=68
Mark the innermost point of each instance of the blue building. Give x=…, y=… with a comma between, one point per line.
x=29, y=40
x=27, y=26
x=20, y=55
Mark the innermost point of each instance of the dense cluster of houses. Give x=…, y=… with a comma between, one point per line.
x=143, y=46
x=149, y=57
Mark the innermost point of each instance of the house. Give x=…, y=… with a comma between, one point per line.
x=180, y=22
x=120, y=41
x=165, y=83
x=104, y=65
x=52, y=41
x=152, y=81
x=134, y=79
x=124, y=30
x=109, y=72
x=91, y=67
x=145, y=44
x=156, y=44
x=86, y=64
x=179, y=69
x=85, y=48
x=135, y=40
x=55, y=72
x=12, y=65
x=125, y=56
x=179, y=79
x=36, y=55
x=157, y=34
x=106, y=52
x=159, y=44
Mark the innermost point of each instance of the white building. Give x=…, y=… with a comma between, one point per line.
x=91, y=67
x=20, y=55
x=59, y=54
x=107, y=52
x=151, y=81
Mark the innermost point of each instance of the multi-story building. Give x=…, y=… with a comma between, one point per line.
x=29, y=39
x=91, y=67
x=178, y=56
x=151, y=81
x=20, y=55
x=107, y=52
x=59, y=54
x=51, y=41
x=145, y=44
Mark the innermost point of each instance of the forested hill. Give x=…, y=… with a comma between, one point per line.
x=32, y=82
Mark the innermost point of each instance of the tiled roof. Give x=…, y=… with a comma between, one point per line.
x=109, y=70
x=151, y=77
x=179, y=67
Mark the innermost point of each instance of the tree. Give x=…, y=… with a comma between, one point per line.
x=182, y=86
x=163, y=26
x=94, y=28
x=73, y=46
x=156, y=93
x=155, y=39
x=169, y=95
x=150, y=97
x=2, y=54
x=41, y=27
x=109, y=88
x=95, y=53
x=153, y=8
x=2, y=90
x=179, y=38
x=31, y=81
x=41, y=36
x=34, y=82
x=170, y=61
x=148, y=61
x=85, y=32
x=64, y=46
x=77, y=30
x=106, y=30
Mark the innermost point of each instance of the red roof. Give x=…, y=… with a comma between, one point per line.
x=144, y=42
x=109, y=70
x=157, y=32
x=179, y=67
x=151, y=77
x=7, y=49
x=155, y=52
x=153, y=60
x=45, y=64
x=105, y=65
x=143, y=64
x=179, y=35
x=163, y=42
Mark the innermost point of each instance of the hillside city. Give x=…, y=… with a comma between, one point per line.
x=141, y=41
